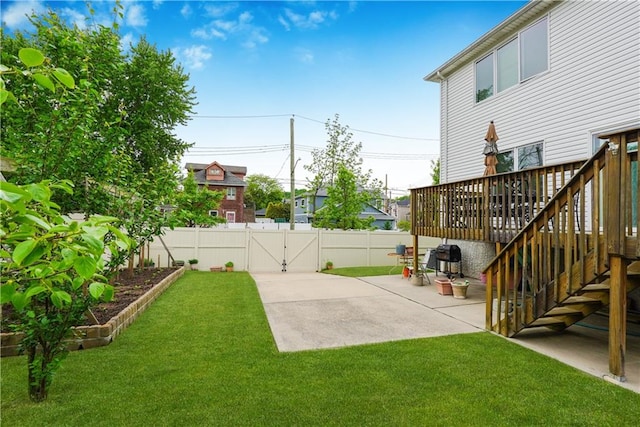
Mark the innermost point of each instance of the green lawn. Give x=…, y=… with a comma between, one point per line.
x=203, y=355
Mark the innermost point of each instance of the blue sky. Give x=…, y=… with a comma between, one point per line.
x=255, y=64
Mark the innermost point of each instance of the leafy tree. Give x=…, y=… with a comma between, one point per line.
x=404, y=225
x=344, y=204
x=113, y=136
x=435, y=172
x=340, y=150
x=278, y=210
x=52, y=270
x=192, y=205
x=262, y=190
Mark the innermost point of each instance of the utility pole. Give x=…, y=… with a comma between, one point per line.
x=293, y=187
x=387, y=194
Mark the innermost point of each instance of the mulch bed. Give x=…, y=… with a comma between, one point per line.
x=127, y=290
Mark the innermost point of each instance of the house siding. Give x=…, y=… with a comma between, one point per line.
x=592, y=85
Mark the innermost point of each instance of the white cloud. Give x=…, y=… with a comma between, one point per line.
x=186, y=10
x=304, y=55
x=284, y=23
x=208, y=33
x=157, y=4
x=74, y=17
x=217, y=10
x=14, y=16
x=135, y=15
x=310, y=21
x=193, y=57
x=125, y=42
x=245, y=18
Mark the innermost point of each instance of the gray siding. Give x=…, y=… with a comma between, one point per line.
x=593, y=85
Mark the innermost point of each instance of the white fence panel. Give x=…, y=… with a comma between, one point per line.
x=265, y=250
x=302, y=250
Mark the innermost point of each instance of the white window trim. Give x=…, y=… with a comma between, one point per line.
x=214, y=211
x=494, y=52
x=229, y=195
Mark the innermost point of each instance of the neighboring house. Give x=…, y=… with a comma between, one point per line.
x=552, y=77
x=404, y=209
x=303, y=208
x=229, y=180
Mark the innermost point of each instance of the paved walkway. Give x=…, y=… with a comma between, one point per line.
x=313, y=311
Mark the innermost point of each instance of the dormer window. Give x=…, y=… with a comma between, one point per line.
x=215, y=172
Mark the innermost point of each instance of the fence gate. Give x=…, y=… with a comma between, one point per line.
x=271, y=250
x=302, y=250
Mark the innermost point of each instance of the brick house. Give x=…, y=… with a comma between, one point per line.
x=229, y=180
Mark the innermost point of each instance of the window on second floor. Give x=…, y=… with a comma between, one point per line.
x=231, y=193
x=516, y=61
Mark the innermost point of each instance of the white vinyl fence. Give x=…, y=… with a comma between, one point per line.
x=259, y=250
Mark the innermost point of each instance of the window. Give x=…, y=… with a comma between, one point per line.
x=528, y=156
x=507, y=72
x=231, y=216
x=534, y=50
x=302, y=202
x=505, y=162
x=213, y=213
x=514, y=62
x=214, y=171
x=484, y=78
x=231, y=193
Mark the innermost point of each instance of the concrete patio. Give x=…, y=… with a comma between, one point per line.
x=314, y=311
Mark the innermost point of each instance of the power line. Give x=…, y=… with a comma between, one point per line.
x=198, y=116
x=259, y=149
x=311, y=120
x=374, y=133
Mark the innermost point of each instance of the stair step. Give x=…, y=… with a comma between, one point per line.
x=562, y=311
x=596, y=287
x=580, y=299
x=546, y=321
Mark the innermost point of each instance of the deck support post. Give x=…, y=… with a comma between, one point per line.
x=617, y=316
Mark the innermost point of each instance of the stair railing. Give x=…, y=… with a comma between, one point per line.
x=567, y=243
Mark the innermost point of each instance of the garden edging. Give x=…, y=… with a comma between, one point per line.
x=99, y=335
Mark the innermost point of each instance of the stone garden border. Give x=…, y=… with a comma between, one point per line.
x=99, y=335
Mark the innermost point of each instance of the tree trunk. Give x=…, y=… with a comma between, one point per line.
x=37, y=381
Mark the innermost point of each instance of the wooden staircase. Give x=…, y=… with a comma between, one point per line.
x=578, y=305
x=580, y=253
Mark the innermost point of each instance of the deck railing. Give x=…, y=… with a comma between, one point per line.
x=492, y=209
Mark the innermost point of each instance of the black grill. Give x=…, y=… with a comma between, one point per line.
x=449, y=253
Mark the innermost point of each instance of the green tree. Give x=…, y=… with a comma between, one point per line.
x=53, y=269
x=404, y=225
x=278, y=210
x=113, y=136
x=53, y=272
x=340, y=150
x=262, y=190
x=193, y=204
x=435, y=172
x=344, y=204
